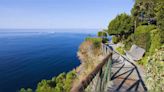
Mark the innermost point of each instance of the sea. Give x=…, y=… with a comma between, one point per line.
x=29, y=56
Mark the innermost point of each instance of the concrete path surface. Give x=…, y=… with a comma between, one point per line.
x=126, y=76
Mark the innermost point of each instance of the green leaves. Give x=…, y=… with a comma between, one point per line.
x=155, y=40
x=96, y=41
x=160, y=15
x=155, y=72
x=61, y=83
x=102, y=34
x=120, y=50
x=24, y=90
x=115, y=39
x=122, y=24
x=142, y=36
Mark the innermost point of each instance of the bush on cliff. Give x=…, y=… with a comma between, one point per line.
x=96, y=41
x=26, y=90
x=61, y=83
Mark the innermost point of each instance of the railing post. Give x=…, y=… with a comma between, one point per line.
x=98, y=79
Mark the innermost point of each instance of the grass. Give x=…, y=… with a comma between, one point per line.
x=120, y=50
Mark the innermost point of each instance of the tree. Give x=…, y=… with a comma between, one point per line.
x=102, y=34
x=69, y=79
x=160, y=15
x=143, y=12
x=121, y=25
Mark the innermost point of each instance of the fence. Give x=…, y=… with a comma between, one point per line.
x=99, y=79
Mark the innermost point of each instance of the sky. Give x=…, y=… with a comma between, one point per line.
x=54, y=14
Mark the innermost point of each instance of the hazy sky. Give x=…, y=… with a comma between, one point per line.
x=60, y=13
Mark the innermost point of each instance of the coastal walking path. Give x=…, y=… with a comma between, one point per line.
x=126, y=76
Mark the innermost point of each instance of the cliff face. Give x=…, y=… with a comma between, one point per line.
x=90, y=56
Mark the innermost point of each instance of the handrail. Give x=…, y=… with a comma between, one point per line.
x=88, y=79
x=144, y=86
x=84, y=83
x=98, y=79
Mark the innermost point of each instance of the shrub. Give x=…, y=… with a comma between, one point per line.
x=102, y=34
x=143, y=40
x=115, y=39
x=144, y=29
x=69, y=77
x=155, y=72
x=155, y=40
x=24, y=90
x=61, y=83
x=120, y=50
x=128, y=45
x=128, y=42
x=162, y=36
x=143, y=61
x=142, y=36
x=96, y=41
x=105, y=40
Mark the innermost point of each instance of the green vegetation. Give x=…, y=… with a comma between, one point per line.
x=61, y=83
x=96, y=41
x=90, y=54
x=151, y=43
x=120, y=50
x=145, y=28
x=102, y=34
x=24, y=90
x=115, y=39
x=160, y=15
x=120, y=27
x=142, y=11
x=147, y=37
x=156, y=40
x=122, y=24
x=142, y=36
x=155, y=72
x=128, y=42
x=64, y=82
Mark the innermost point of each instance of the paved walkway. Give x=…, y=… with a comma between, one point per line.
x=126, y=76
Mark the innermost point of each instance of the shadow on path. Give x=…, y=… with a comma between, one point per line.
x=126, y=77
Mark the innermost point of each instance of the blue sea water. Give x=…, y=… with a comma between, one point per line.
x=28, y=57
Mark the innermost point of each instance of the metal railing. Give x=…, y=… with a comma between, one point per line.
x=98, y=80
